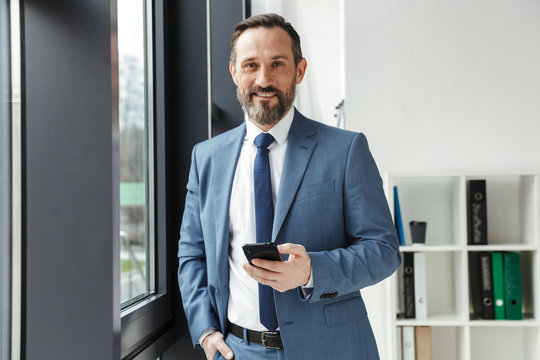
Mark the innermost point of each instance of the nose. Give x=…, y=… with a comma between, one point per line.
x=264, y=77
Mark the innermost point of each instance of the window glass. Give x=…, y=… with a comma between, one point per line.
x=136, y=165
x=10, y=180
x=5, y=180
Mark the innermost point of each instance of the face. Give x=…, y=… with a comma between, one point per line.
x=265, y=74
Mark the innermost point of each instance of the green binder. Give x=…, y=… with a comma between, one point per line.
x=498, y=285
x=512, y=286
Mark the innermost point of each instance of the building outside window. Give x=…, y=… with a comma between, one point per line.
x=136, y=150
x=145, y=294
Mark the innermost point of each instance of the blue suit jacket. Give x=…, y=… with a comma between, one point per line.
x=331, y=201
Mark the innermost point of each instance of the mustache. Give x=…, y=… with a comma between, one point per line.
x=259, y=89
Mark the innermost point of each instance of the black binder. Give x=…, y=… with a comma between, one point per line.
x=476, y=212
x=486, y=279
x=475, y=285
x=408, y=284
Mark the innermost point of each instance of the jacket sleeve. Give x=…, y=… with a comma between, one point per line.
x=373, y=253
x=192, y=271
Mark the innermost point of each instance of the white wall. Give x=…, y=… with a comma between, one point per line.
x=445, y=85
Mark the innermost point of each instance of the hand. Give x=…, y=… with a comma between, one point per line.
x=214, y=343
x=286, y=275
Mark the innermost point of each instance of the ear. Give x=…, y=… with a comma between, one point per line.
x=301, y=70
x=232, y=70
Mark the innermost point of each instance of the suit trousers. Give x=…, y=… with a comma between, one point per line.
x=243, y=350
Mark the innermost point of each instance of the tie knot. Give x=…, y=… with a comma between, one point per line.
x=263, y=140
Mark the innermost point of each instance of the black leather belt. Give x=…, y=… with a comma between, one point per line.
x=268, y=339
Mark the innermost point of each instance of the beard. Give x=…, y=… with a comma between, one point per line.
x=262, y=113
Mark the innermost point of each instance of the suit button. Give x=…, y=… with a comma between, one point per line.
x=333, y=295
x=324, y=296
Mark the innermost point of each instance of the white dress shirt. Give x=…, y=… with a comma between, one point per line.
x=243, y=307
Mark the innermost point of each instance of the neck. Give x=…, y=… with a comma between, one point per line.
x=264, y=128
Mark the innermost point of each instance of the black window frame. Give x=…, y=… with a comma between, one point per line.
x=70, y=188
x=145, y=320
x=70, y=177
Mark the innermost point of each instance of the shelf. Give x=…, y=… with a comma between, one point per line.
x=435, y=248
x=430, y=248
x=441, y=320
x=450, y=320
x=447, y=342
x=443, y=288
x=504, y=323
x=513, y=210
x=500, y=343
x=506, y=247
x=435, y=200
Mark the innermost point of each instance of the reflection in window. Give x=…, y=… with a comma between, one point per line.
x=136, y=166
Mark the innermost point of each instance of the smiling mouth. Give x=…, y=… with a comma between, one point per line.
x=265, y=95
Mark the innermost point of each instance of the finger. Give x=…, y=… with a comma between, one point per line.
x=210, y=341
x=210, y=354
x=269, y=282
x=260, y=275
x=209, y=344
x=292, y=249
x=271, y=265
x=259, y=272
x=274, y=284
x=225, y=350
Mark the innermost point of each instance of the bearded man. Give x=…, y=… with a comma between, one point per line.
x=279, y=177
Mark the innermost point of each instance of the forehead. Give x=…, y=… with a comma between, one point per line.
x=263, y=42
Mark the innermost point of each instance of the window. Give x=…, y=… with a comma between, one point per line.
x=5, y=176
x=136, y=151
x=146, y=299
x=10, y=184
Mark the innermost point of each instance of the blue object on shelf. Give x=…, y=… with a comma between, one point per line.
x=398, y=221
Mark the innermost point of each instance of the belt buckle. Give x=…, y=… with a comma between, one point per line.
x=263, y=339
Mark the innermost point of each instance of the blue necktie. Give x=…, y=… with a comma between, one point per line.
x=264, y=218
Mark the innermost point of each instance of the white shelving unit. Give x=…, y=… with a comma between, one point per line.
x=513, y=225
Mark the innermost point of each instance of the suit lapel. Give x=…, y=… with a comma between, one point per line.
x=299, y=150
x=223, y=169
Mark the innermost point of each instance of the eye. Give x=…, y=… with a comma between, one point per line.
x=249, y=65
x=278, y=63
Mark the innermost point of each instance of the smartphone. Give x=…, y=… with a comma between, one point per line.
x=266, y=251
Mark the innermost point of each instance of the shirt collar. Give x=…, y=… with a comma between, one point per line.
x=280, y=131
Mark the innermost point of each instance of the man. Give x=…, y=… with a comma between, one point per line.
x=313, y=189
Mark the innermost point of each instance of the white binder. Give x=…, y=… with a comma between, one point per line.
x=420, y=291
